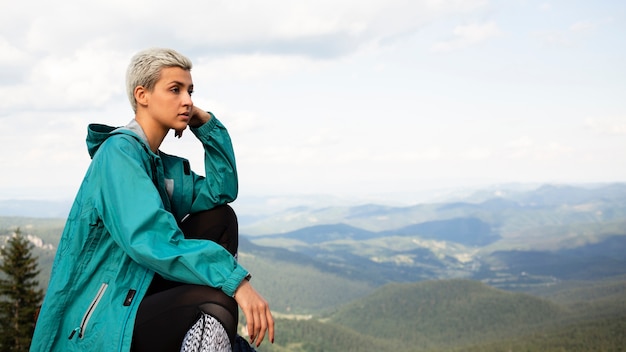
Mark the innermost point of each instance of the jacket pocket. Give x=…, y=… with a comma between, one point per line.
x=92, y=307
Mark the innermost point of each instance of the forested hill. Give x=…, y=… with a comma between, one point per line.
x=461, y=315
x=424, y=314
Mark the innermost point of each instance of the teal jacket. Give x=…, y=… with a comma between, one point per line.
x=122, y=228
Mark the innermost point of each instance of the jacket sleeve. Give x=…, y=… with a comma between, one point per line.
x=220, y=185
x=132, y=211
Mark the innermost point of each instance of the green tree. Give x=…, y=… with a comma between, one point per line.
x=20, y=295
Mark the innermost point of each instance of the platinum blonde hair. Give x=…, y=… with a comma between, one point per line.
x=145, y=69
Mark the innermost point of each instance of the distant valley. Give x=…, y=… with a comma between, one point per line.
x=558, y=249
x=511, y=240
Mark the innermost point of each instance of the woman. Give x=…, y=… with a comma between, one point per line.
x=124, y=227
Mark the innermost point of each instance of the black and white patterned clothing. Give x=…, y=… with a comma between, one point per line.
x=206, y=335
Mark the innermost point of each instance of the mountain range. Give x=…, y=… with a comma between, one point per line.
x=550, y=257
x=513, y=239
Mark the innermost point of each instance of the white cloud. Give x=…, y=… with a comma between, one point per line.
x=252, y=66
x=476, y=153
x=11, y=55
x=607, y=126
x=522, y=142
x=554, y=150
x=582, y=26
x=546, y=6
x=78, y=60
x=468, y=35
x=322, y=92
x=553, y=38
x=527, y=148
x=86, y=78
x=569, y=36
x=330, y=26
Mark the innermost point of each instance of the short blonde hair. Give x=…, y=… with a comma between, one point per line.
x=145, y=69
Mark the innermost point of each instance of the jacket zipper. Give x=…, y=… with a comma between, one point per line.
x=89, y=312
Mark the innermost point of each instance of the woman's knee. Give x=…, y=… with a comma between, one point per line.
x=218, y=224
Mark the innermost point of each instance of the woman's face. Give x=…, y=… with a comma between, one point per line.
x=169, y=103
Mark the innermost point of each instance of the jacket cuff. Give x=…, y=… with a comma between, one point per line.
x=206, y=127
x=233, y=282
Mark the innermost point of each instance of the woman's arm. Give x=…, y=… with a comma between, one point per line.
x=220, y=164
x=220, y=185
x=132, y=211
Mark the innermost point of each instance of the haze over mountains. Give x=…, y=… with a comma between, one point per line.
x=561, y=248
x=502, y=236
x=534, y=237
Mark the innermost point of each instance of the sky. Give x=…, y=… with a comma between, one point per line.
x=350, y=98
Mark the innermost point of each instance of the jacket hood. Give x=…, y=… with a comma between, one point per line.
x=98, y=133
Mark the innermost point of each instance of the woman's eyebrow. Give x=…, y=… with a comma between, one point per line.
x=179, y=83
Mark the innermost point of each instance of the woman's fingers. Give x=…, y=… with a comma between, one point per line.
x=258, y=325
x=270, y=324
x=257, y=311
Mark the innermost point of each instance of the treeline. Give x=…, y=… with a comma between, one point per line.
x=603, y=334
x=47, y=229
x=300, y=288
x=316, y=336
x=445, y=312
x=20, y=296
x=312, y=336
x=456, y=315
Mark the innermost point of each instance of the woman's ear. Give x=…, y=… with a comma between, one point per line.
x=141, y=95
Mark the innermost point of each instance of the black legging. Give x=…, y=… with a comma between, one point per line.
x=170, y=308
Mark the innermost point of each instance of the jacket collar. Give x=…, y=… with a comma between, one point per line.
x=98, y=133
x=135, y=127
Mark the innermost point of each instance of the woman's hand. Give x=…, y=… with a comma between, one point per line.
x=259, y=319
x=197, y=118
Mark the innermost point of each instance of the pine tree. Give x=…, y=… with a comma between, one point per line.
x=20, y=296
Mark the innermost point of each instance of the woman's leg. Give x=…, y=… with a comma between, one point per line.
x=170, y=308
x=218, y=225
x=164, y=318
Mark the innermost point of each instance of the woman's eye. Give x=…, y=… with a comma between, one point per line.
x=175, y=90
x=190, y=92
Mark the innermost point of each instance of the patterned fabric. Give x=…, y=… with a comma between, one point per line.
x=206, y=335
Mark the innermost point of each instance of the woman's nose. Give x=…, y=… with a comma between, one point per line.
x=187, y=99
